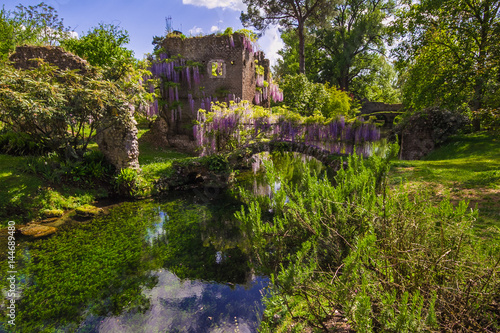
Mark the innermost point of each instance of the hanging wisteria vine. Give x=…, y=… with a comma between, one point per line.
x=228, y=127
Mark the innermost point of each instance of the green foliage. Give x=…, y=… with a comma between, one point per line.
x=91, y=171
x=261, y=14
x=7, y=42
x=20, y=144
x=388, y=259
x=490, y=119
x=104, y=46
x=346, y=50
x=60, y=110
x=128, y=183
x=464, y=36
x=217, y=163
x=309, y=98
x=39, y=25
x=288, y=64
x=350, y=38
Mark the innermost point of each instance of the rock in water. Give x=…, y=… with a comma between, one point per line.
x=37, y=231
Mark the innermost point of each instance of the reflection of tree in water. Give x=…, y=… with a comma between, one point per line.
x=200, y=242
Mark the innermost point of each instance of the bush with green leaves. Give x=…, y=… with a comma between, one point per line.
x=58, y=109
x=90, y=171
x=384, y=258
x=103, y=46
x=127, y=183
x=20, y=144
x=308, y=98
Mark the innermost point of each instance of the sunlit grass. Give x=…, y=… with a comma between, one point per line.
x=467, y=167
x=24, y=195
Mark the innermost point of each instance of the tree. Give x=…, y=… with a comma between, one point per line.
x=38, y=24
x=58, y=108
x=287, y=13
x=289, y=62
x=450, y=52
x=7, y=43
x=372, y=77
x=351, y=38
x=103, y=46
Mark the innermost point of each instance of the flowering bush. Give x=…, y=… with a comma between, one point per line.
x=227, y=127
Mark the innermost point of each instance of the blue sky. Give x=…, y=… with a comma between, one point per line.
x=144, y=19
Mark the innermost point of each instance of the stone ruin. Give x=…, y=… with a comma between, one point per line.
x=194, y=72
x=55, y=55
x=117, y=141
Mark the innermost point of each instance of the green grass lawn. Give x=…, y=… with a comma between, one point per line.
x=24, y=195
x=467, y=167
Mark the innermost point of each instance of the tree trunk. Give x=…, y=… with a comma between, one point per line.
x=302, y=57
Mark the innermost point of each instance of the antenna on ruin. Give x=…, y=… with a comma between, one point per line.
x=168, y=24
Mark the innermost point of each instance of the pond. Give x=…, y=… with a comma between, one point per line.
x=179, y=264
x=175, y=265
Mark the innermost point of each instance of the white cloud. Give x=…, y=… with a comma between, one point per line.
x=231, y=4
x=195, y=31
x=271, y=43
x=214, y=28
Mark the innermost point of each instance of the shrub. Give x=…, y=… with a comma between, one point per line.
x=20, y=144
x=389, y=260
x=127, y=182
x=308, y=98
x=58, y=109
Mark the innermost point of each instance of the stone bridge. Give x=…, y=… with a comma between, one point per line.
x=382, y=111
x=241, y=156
x=198, y=174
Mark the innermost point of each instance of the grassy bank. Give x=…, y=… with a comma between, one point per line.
x=467, y=167
x=26, y=196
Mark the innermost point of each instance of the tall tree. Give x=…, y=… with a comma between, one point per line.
x=287, y=13
x=7, y=43
x=38, y=24
x=104, y=46
x=353, y=34
x=456, y=45
x=289, y=62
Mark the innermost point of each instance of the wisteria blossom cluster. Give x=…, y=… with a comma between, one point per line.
x=248, y=44
x=171, y=72
x=227, y=127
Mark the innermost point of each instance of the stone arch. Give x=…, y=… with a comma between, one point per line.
x=243, y=154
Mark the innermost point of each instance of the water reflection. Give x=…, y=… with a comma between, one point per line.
x=193, y=306
x=148, y=266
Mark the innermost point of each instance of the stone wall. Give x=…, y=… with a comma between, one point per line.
x=239, y=74
x=55, y=55
x=237, y=78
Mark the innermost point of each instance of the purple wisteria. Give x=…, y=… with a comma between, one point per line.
x=227, y=127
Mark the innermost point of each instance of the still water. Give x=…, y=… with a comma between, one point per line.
x=176, y=265
x=179, y=264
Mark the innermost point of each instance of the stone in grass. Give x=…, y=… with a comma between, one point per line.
x=88, y=211
x=37, y=231
x=49, y=213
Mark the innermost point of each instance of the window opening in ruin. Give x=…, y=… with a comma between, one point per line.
x=217, y=68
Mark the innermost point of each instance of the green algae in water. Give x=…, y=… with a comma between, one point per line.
x=147, y=266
